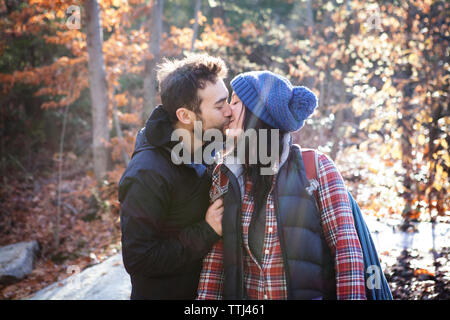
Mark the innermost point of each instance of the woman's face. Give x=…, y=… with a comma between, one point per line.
x=236, y=125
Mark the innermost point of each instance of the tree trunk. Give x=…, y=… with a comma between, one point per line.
x=406, y=146
x=98, y=88
x=196, y=12
x=309, y=15
x=338, y=131
x=155, y=29
x=60, y=166
x=126, y=157
x=340, y=88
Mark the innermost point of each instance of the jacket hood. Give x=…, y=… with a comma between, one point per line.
x=156, y=133
x=158, y=128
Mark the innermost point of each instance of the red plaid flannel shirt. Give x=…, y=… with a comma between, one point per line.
x=268, y=281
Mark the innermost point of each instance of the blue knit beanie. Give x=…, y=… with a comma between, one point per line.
x=274, y=100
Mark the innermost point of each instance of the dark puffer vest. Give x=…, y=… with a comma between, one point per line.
x=308, y=264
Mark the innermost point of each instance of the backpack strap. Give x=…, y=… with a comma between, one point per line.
x=310, y=160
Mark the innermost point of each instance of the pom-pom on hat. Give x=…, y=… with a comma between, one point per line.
x=274, y=100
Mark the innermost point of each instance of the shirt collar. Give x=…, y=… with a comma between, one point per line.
x=198, y=167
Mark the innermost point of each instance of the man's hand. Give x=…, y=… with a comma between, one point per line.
x=214, y=216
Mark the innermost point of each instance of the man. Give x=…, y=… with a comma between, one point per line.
x=165, y=231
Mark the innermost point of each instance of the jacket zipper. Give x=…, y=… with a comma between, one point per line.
x=282, y=243
x=235, y=183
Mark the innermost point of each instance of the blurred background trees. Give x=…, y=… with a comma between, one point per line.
x=380, y=69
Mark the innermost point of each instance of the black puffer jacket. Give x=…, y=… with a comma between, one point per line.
x=163, y=207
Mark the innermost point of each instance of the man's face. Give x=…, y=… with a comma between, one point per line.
x=214, y=108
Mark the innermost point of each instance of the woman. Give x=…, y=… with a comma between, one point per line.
x=278, y=242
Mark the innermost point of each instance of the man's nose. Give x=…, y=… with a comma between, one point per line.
x=227, y=110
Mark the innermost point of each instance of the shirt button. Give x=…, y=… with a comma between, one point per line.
x=270, y=230
x=266, y=251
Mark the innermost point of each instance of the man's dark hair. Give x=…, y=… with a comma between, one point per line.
x=179, y=81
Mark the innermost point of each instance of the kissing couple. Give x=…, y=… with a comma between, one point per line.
x=247, y=225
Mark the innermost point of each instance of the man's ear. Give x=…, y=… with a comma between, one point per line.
x=185, y=116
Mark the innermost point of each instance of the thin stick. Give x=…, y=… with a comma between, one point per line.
x=58, y=208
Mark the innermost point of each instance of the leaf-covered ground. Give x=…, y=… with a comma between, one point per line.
x=89, y=226
x=431, y=281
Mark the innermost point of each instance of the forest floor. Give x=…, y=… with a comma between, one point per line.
x=90, y=232
x=408, y=282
